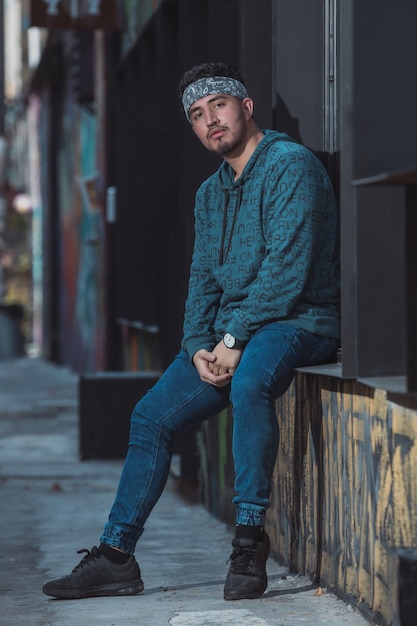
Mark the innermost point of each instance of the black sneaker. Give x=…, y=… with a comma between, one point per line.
x=247, y=573
x=95, y=575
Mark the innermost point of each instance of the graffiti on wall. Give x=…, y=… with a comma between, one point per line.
x=82, y=307
x=344, y=492
x=345, y=487
x=88, y=285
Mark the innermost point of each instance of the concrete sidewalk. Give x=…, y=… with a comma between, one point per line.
x=52, y=505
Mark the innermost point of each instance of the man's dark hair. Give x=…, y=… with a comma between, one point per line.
x=206, y=70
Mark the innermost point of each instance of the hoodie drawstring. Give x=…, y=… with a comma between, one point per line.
x=224, y=252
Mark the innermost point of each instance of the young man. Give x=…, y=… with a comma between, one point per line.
x=263, y=299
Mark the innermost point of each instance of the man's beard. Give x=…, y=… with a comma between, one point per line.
x=225, y=146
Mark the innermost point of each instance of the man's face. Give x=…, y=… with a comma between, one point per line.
x=220, y=122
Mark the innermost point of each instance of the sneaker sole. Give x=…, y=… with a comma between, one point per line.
x=128, y=589
x=235, y=595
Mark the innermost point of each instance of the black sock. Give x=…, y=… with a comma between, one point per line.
x=250, y=532
x=113, y=554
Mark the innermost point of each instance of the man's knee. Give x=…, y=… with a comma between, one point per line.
x=246, y=384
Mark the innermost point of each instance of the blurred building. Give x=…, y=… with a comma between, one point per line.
x=101, y=144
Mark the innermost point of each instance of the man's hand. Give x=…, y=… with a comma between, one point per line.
x=227, y=359
x=205, y=363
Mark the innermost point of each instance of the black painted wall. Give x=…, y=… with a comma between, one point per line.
x=156, y=162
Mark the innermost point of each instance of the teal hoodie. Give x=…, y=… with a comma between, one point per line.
x=265, y=249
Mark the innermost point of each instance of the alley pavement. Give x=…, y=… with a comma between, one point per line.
x=52, y=504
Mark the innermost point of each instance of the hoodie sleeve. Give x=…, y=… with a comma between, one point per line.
x=203, y=293
x=298, y=200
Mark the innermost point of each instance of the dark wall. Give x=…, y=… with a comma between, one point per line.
x=378, y=60
x=299, y=71
x=154, y=159
x=385, y=61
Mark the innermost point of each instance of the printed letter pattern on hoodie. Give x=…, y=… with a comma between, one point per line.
x=266, y=248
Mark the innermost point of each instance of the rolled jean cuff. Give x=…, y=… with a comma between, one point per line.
x=250, y=516
x=117, y=538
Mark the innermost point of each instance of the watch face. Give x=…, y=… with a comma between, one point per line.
x=229, y=340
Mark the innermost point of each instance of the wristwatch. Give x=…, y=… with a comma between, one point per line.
x=231, y=342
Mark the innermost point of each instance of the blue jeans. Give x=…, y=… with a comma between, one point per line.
x=180, y=399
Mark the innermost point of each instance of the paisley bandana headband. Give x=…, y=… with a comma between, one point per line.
x=211, y=85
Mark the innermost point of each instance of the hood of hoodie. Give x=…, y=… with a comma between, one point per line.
x=226, y=172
